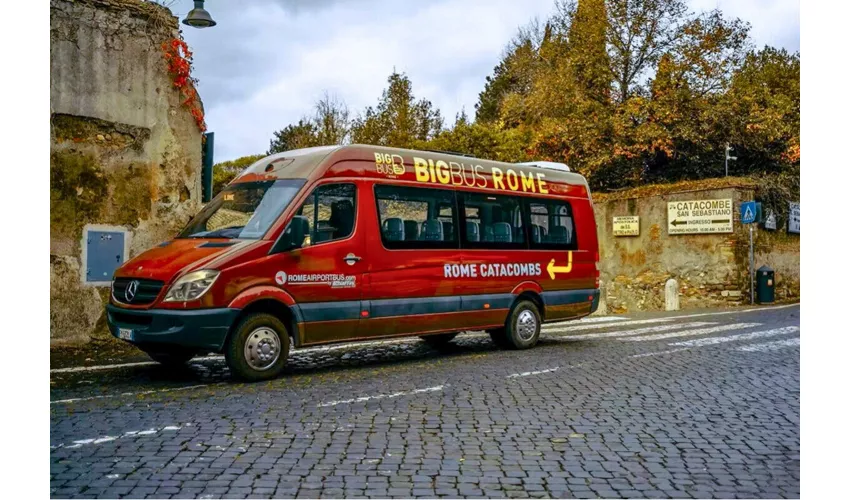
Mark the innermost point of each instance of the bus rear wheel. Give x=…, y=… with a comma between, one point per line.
x=258, y=347
x=522, y=328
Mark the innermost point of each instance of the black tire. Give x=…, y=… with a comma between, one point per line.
x=522, y=328
x=172, y=356
x=439, y=340
x=499, y=337
x=268, y=339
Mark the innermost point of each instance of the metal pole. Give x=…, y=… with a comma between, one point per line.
x=727, y=164
x=752, y=265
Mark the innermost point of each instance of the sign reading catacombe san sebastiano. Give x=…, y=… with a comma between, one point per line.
x=699, y=216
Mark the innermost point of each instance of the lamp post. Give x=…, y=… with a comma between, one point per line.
x=733, y=158
x=199, y=17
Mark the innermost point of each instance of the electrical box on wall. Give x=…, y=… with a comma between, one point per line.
x=105, y=248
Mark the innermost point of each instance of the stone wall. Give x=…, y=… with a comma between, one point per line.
x=124, y=151
x=711, y=269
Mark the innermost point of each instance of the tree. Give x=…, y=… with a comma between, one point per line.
x=514, y=73
x=399, y=120
x=639, y=33
x=226, y=171
x=329, y=125
x=297, y=136
x=587, y=51
x=482, y=140
x=332, y=120
x=762, y=110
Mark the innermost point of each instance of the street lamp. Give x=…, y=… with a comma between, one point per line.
x=199, y=17
x=733, y=158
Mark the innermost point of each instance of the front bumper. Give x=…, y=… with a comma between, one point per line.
x=201, y=328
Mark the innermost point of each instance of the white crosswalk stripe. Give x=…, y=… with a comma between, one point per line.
x=599, y=326
x=737, y=337
x=599, y=319
x=626, y=333
x=770, y=346
x=692, y=333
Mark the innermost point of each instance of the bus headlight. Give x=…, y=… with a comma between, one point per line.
x=191, y=286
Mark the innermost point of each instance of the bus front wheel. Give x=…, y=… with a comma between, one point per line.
x=258, y=347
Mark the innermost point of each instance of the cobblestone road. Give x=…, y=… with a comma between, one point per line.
x=686, y=405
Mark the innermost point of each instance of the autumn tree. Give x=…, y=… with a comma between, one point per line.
x=639, y=33
x=762, y=111
x=399, y=120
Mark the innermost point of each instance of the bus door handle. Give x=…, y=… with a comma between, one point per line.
x=350, y=259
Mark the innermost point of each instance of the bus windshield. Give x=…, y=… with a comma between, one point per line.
x=245, y=210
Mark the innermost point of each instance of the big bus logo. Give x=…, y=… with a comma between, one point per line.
x=389, y=164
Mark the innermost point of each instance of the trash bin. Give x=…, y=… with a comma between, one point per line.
x=765, y=285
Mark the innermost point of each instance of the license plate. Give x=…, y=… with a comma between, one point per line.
x=125, y=334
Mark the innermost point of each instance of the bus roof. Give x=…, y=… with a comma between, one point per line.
x=313, y=162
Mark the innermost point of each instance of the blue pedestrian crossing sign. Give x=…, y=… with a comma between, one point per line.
x=749, y=210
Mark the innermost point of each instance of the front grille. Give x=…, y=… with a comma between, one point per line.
x=146, y=290
x=131, y=319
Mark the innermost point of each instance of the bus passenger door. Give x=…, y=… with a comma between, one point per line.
x=325, y=275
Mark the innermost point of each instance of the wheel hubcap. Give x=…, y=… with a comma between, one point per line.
x=262, y=348
x=526, y=325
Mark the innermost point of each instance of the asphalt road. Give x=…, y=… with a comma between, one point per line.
x=691, y=404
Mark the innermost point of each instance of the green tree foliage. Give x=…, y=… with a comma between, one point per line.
x=294, y=136
x=482, y=140
x=399, y=120
x=513, y=76
x=226, y=171
x=588, y=57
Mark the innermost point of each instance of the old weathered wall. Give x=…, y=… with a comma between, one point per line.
x=711, y=269
x=124, y=151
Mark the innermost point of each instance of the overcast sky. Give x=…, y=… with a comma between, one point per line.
x=267, y=61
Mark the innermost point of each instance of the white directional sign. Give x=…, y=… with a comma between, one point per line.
x=794, y=218
x=699, y=216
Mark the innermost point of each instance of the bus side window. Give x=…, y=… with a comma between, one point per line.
x=416, y=217
x=492, y=221
x=330, y=211
x=552, y=225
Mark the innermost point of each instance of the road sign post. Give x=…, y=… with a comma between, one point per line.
x=749, y=215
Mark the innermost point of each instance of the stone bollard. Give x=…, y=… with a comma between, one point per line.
x=671, y=295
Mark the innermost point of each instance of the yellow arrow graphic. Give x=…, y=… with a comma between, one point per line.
x=552, y=268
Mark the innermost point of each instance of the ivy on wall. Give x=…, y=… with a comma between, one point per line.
x=179, y=60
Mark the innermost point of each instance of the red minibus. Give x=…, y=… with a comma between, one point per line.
x=345, y=243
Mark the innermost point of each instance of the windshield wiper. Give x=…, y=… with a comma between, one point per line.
x=220, y=233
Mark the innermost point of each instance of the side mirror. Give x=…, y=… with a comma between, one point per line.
x=294, y=234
